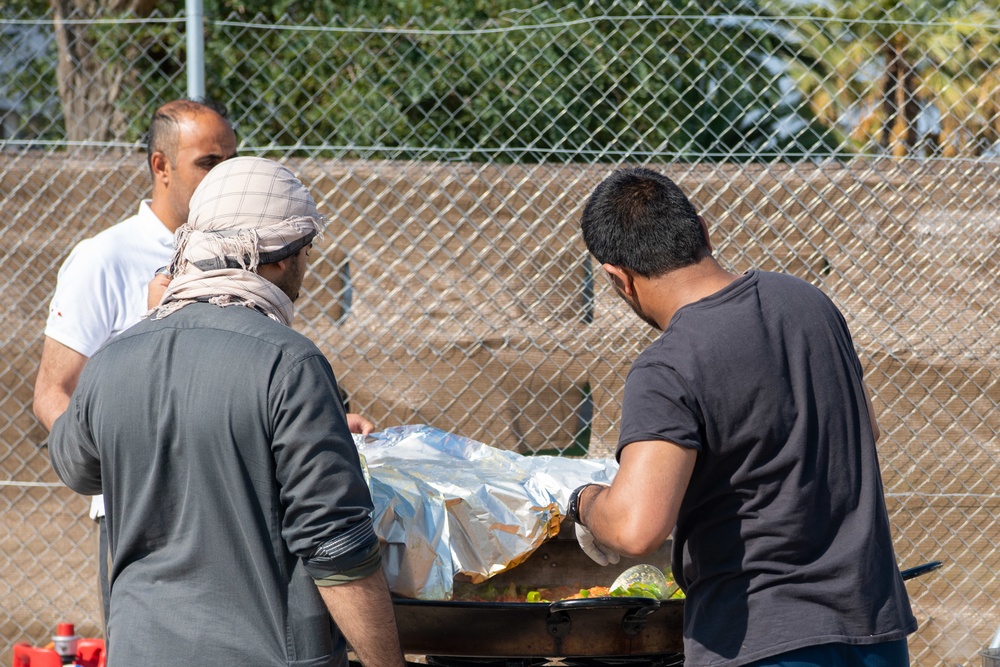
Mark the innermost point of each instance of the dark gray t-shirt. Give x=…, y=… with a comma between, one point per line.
x=231, y=480
x=782, y=540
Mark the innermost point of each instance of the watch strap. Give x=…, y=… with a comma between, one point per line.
x=573, y=507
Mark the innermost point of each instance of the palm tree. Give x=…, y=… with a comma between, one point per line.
x=876, y=69
x=966, y=86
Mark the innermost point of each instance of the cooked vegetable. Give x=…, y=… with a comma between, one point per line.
x=489, y=592
x=637, y=590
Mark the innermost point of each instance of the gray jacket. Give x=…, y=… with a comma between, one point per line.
x=231, y=481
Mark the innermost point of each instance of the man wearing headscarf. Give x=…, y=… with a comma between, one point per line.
x=101, y=288
x=238, y=514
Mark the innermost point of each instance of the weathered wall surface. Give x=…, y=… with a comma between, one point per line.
x=461, y=296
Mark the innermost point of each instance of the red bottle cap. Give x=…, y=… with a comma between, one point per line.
x=65, y=630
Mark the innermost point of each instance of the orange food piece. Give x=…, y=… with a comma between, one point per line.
x=592, y=592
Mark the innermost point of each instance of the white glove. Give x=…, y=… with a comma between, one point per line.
x=600, y=554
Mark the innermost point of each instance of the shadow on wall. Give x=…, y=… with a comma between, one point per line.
x=454, y=303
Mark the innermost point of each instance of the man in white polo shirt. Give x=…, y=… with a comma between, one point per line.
x=102, y=285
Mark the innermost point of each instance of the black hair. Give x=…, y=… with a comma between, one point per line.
x=162, y=133
x=640, y=220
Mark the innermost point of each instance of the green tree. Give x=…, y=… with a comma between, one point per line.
x=527, y=84
x=90, y=83
x=27, y=75
x=507, y=81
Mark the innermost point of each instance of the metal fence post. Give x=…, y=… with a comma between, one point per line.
x=195, y=49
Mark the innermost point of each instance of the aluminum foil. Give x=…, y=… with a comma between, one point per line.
x=447, y=506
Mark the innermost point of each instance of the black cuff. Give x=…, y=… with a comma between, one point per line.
x=573, y=508
x=346, y=551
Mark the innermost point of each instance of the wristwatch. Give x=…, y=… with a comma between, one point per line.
x=573, y=510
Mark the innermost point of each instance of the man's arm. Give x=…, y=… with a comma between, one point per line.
x=58, y=373
x=637, y=513
x=74, y=455
x=362, y=609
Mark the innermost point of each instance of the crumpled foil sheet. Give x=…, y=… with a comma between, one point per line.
x=447, y=506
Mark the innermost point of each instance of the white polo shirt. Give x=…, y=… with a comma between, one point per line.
x=103, y=285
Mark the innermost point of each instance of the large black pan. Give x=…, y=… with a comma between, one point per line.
x=568, y=628
x=587, y=627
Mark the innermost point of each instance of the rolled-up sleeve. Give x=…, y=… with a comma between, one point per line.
x=72, y=450
x=358, y=566
x=327, y=504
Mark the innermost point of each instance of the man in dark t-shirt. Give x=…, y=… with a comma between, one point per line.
x=747, y=432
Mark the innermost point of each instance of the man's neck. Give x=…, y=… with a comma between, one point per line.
x=163, y=214
x=681, y=287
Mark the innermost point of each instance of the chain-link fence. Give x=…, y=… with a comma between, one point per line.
x=852, y=144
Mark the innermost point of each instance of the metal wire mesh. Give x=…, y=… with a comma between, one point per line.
x=848, y=143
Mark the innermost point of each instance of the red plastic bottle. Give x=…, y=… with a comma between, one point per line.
x=66, y=641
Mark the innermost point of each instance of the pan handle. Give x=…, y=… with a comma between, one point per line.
x=559, y=624
x=605, y=603
x=920, y=569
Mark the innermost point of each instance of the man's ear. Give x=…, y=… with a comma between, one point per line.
x=160, y=165
x=272, y=271
x=620, y=277
x=704, y=231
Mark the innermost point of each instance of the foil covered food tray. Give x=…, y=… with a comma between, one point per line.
x=448, y=507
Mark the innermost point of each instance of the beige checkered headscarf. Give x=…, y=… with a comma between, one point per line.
x=247, y=211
